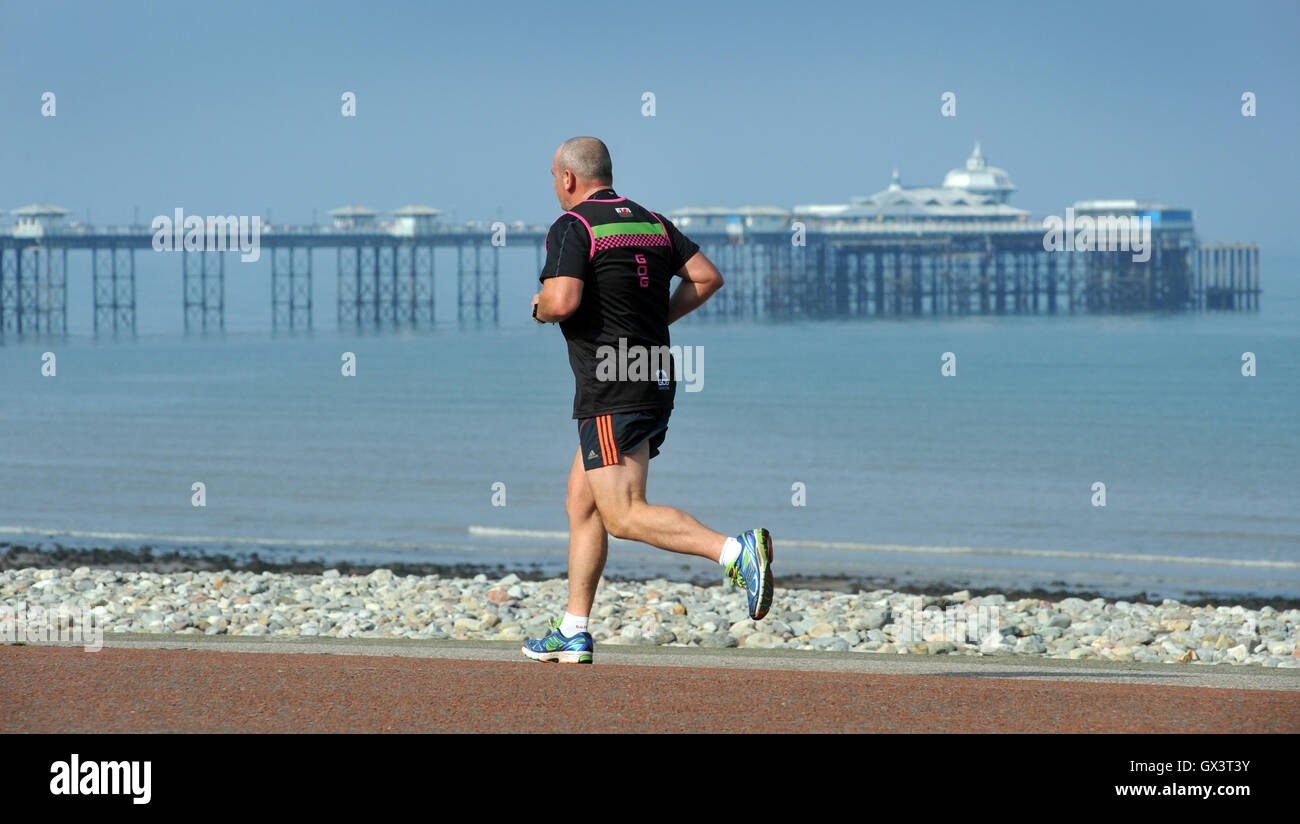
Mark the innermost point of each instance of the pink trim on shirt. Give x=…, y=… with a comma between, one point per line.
x=592, y=253
x=665, y=228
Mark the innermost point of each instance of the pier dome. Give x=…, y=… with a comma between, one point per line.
x=980, y=178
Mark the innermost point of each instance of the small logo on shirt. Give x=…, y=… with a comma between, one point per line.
x=623, y=211
x=591, y=456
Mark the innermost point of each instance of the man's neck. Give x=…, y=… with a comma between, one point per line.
x=593, y=189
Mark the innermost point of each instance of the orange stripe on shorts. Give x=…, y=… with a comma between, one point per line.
x=604, y=440
x=600, y=436
x=613, y=444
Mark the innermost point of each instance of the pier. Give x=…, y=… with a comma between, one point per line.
x=387, y=281
x=384, y=280
x=958, y=248
x=991, y=271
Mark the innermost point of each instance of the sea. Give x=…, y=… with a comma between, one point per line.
x=1114, y=454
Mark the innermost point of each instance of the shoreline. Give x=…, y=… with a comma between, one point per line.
x=18, y=556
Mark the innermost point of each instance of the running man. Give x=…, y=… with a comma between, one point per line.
x=609, y=267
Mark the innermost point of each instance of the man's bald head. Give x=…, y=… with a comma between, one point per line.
x=581, y=167
x=588, y=159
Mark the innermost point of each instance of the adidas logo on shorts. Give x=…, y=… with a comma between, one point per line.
x=591, y=456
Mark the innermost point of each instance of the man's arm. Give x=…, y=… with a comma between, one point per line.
x=700, y=279
x=568, y=263
x=558, y=300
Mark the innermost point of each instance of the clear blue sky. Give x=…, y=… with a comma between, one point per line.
x=233, y=107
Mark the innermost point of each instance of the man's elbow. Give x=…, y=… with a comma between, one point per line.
x=714, y=284
x=564, y=309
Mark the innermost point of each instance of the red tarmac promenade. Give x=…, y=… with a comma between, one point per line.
x=462, y=688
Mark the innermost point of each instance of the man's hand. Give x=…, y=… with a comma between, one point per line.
x=536, y=298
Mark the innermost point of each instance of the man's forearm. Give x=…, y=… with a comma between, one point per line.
x=544, y=312
x=688, y=297
x=553, y=306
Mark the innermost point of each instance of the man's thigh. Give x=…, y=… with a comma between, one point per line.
x=619, y=486
x=579, y=498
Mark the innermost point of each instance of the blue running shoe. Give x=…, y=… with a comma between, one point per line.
x=752, y=570
x=558, y=648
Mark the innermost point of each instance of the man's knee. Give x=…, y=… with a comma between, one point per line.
x=579, y=505
x=620, y=528
x=622, y=523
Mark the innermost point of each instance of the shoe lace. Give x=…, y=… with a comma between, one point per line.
x=736, y=574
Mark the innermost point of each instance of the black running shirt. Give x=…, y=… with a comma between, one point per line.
x=626, y=257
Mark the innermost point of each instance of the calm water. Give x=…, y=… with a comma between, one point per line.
x=981, y=479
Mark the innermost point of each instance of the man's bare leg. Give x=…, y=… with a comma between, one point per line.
x=588, y=541
x=619, y=494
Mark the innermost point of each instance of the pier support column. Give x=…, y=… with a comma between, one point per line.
x=8, y=274
x=368, y=287
x=291, y=301
x=940, y=283
x=203, y=289
x=422, y=291
x=797, y=283
x=1051, y=282
x=29, y=263
x=985, y=263
x=775, y=296
x=15, y=263
x=53, y=296
x=1254, y=270
x=1070, y=293
x=387, y=313
x=896, y=283
x=878, y=280
x=477, y=287
x=33, y=290
x=1034, y=260
x=113, y=287
x=999, y=283
x=349, y=276
x=1240, y=285
x=918, y=263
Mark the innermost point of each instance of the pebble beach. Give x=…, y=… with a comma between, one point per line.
x=656, y=612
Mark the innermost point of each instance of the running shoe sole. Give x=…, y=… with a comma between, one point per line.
x=560, y=656
x=763, y=542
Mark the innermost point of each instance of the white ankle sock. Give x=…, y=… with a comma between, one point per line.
x=573, y=624
x=730, y=552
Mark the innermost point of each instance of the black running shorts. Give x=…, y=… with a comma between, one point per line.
x=606, y=438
